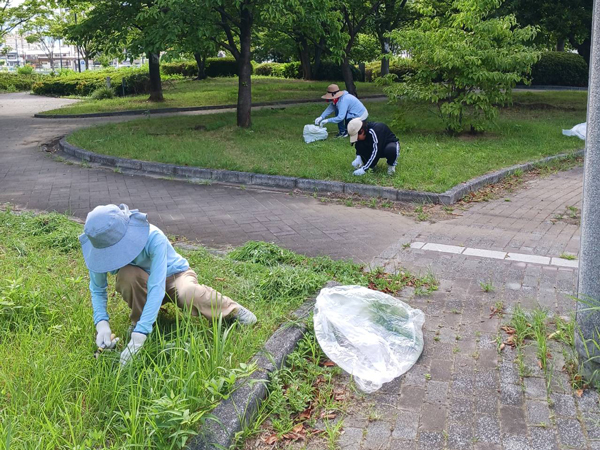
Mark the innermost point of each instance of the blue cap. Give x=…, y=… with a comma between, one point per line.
x=113, y=236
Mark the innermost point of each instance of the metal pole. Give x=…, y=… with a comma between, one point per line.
x=77, y=46
x=587, y=337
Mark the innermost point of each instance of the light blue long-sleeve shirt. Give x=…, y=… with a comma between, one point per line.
x=160, y=260
x=348, y=106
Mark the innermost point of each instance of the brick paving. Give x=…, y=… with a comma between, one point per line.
x=214, y=215
x=463, y=393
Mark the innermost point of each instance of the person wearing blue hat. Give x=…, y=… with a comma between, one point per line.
x=148, y=271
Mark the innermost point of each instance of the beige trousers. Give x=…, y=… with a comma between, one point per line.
x=182, y=288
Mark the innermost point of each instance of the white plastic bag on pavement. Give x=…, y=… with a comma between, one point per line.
x=577, y=130
x=369, y=334
x=314, y=133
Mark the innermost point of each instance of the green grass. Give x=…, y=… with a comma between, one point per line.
x=213, y=91
x=430, y=160
x=54, y=394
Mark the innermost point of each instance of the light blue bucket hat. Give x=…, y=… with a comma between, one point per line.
x=113, y=236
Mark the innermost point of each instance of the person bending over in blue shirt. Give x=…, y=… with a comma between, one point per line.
x=148, y=271
x=345, y=106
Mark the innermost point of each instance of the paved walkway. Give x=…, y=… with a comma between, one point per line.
x=463, y=393
x=214, y=215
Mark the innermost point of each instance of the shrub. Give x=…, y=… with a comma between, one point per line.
x=13, y=82
x=185, y=68
x=103, y=93
x=221, y=67
x=25, y=70
x=400, y=67
x=466, y=63
x=270, y=69
x=560, y=69
x=331, y=71
x=124, y=82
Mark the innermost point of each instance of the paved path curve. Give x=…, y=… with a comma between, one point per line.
x=214, y=215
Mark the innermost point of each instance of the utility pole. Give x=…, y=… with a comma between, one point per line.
x=587, y=338
x=77, y=46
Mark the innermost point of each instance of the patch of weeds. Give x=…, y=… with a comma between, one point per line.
x=448, y=209
x=428, y=376
x=85, y=164
x=497, y=309
x=373, y=203
x=349, y=202
x=406, y=245
x=573, y=212
x=117, y=170
x=422, y=217
x=301, y=394
x=507, y=200
x=486, y=286
x=455, y=350
x=386, y=204
x=455, y=311
x=568, y=256
x=59, y=159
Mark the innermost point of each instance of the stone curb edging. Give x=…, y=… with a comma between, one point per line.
x=141, y=112
x=282, y=182
x=231, y=415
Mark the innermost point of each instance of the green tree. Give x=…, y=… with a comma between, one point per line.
x=136, y=26
x=46, y=29
x=13, y=15
x=388, y=17
x=467, y=61
x=560, y=21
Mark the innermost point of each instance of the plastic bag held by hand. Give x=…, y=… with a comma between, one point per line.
x=314, y=133
x=369, y=334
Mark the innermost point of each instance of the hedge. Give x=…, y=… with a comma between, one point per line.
x=560, y=69
x=136, y=81
x=16, y=82
x=215, y=67
x=398, y=67
x=327, y=71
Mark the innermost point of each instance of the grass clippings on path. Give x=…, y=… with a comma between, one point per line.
x=54, y=394
x=211, y=92
x=430, y=160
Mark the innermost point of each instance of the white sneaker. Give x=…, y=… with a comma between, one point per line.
x=244, y=316
x=391, y=170
x=357, y=162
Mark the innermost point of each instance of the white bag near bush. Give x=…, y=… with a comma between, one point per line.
x=578, y=130
x=369, y=334
x=314, y=133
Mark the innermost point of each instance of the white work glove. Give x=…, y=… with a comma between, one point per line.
x=323, y=122
x=318, y=120
x=103, y=339
x=359, y=172
x=136, y=342
x=357, y=162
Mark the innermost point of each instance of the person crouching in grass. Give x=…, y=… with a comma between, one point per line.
x=148, y=271
x=373, y=141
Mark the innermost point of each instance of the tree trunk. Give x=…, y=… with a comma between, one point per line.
x=318, y=54
x=584, y=50
x=560, y=45
x=244, y=104
x=156, y=94
x=385, y=50
x=304, y=59
x=201, y=63
x=348, y=79
x=87, y=64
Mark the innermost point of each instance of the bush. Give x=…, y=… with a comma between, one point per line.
x=103, y=93
x=25, y=70
x=135, y=81
x=13, y=82
x=185, y=68
x=560, y=69
x=330, y=71
x=221, y=67
x=270, y=69
x=398, y=67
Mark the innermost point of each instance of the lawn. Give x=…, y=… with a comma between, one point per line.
x=213, y=91
x=430, y=160
x=55, y=395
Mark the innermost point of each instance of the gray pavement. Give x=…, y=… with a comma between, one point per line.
x=214, y=215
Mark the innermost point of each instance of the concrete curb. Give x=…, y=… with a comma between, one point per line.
x=281, y=182
x=231, y=415
x=141, y=112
